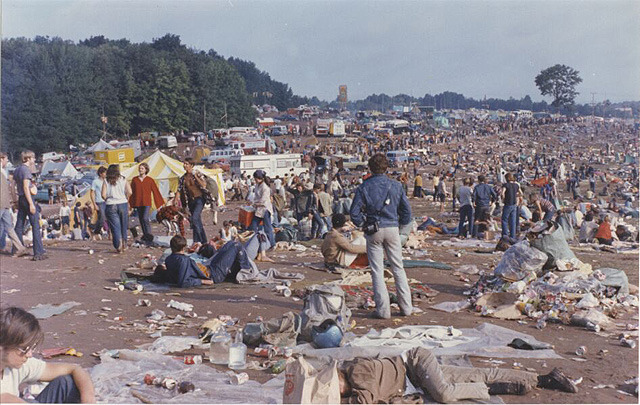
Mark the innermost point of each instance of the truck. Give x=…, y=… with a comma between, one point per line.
x=55, y=156
x=168, y=141
x=337, y=128
x=322, y=126
x=273, y=165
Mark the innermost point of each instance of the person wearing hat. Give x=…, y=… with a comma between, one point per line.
x=264, y=208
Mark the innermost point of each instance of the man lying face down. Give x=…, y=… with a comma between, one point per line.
x=183, y=271
x=381, y=380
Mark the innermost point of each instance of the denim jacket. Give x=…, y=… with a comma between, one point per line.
x=371, y=196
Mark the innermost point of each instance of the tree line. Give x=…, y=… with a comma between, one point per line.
x=57, y=93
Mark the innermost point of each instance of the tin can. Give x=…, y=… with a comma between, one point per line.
x=628, y=343
x=148, y=379
x=581, y=351
x=118, y=318
x=286, y=283
x=185, y=386
x=193, y=359
x=239, y=379
x=169, y=383
x=278, y=367
x=144, y=303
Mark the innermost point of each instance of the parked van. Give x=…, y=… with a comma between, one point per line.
x=273, y=165
x=166, y=142
x=222, y=155
x=134, y=144
x=396, y=157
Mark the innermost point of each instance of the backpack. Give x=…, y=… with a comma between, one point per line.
x=212, y=189
x=324, y=302
x=287, y=233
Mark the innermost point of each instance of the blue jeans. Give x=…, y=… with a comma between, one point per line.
x=118, y=220
x=316, y=225
x=34, y=220
x=6, y=222
x=509, y=220
x=466, y=214
x=143, y=216
x=266, y=225
x=195, y=207
x=61, y=390
x=102, y=216
x=227, y=261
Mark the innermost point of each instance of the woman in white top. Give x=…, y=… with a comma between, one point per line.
x=116, y=191
x=264, y=209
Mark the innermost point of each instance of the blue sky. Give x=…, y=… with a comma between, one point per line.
x=478, y=48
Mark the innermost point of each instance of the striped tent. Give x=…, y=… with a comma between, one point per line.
x=167, y=171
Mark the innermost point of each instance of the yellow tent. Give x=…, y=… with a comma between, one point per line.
x=167, y=171
x=200, y=152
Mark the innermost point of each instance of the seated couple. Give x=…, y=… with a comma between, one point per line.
x=218, y=265
x=339, y=251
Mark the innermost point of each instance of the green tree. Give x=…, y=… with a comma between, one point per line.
x=559, y=82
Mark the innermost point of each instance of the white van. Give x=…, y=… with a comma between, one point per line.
x=222, y=155
x=273, y=165
x=166, y=142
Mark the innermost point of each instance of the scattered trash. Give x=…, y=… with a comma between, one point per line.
x=238, y=379
x=44, y=311
x=144, y=303
x=60, y=351
x=181, y=306
x=581, y=351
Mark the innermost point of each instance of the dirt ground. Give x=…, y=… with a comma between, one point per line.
x=72, y=274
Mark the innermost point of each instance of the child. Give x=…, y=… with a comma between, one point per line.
x=20, y=333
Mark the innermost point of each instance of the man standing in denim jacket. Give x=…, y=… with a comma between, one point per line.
x=384, y=200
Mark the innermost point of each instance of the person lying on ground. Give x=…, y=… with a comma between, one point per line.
x=20, y=334
x=209, y=266
x=380, y=380
x=336, y=245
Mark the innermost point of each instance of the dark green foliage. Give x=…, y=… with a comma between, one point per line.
x=559, y=82
x=54, y=92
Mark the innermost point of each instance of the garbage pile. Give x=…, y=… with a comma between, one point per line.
x=524, y=285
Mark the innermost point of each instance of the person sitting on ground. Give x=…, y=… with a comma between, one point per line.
x=588, y=229
x=20, y=333
x=335, y=245
x=381, y=380
x=624, y=234
x=603, y=235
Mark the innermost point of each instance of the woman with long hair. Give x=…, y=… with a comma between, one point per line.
x=143, y=189
x=115, y=191
x=264, y=211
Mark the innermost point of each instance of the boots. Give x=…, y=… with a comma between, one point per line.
x=507, y=388
x=556, y=380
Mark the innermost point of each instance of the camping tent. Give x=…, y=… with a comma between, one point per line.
x=58, y=169
x=167, y=171
x=200, y=152
x=98, y=146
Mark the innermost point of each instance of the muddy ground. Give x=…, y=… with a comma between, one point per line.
x=72, y=274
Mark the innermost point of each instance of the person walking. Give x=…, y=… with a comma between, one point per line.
x=381, y=206
x=115, y=191
x=7, y=198
x=97, y=202
x=192, y=193
x=511, y=196
x=144, y=192
x=27, y=207
x=417, y=185
x=263, y=206
x=466, y=208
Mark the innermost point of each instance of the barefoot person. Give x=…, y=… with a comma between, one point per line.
x=20, y=334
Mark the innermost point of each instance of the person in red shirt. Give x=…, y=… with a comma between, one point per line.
x=143, y=189
x=603, y=234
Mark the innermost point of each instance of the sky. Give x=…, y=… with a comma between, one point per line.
x=474, y=47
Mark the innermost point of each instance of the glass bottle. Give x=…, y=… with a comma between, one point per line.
x=238, y=353
x=219, y=349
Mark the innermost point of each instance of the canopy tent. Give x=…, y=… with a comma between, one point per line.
x=59, y=169
x=98, y=146
x=167, y=171
x=200, y=152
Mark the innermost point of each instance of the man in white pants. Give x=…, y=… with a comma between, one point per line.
x=383, y=202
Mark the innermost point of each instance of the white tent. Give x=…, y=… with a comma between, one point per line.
x=98, y=146
x=59, y=169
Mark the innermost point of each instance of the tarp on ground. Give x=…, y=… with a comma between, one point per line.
x=167, y=171
x=61, y=169
x=98, y=146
